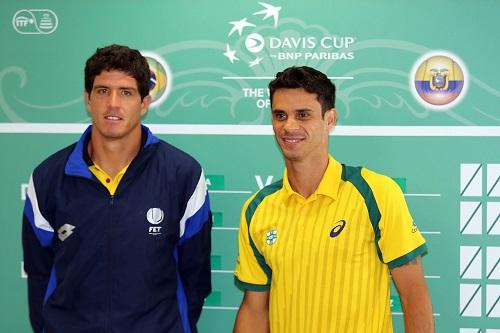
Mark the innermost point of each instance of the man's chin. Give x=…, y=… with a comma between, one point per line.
x=291, y=155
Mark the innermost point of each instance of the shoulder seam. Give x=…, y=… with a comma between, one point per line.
x=353, y=175
x=249, y=212
x=259, y=197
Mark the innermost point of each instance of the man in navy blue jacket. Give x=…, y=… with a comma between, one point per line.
x=116, y=227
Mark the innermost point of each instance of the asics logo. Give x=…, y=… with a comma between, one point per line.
x=337, y=228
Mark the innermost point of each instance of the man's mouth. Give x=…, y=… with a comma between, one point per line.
x=291, y=139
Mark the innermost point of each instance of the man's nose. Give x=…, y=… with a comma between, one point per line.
x=114, y=99
x=291, y=123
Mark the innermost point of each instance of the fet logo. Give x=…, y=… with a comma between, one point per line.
x=155, y=216
x=35, y=21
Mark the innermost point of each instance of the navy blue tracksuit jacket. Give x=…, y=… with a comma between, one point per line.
x=137, y=261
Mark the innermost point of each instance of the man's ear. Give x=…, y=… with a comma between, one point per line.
x=146, y=101
x=86, y=98
x=331, y=117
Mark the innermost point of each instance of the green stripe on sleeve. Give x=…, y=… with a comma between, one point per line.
x=353, y=175
x=252, y=207
x=419, y=251
x=243, y=286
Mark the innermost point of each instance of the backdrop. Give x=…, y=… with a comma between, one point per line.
x=418, y=99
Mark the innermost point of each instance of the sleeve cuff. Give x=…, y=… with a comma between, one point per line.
x=419, y=251
x=244, y=286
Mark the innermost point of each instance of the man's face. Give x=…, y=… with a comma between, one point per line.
x=300, y=130
x=115, y=105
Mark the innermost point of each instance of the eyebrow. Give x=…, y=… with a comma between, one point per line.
x=296, y=110
x=108, y=87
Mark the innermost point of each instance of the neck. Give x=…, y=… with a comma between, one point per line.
x=112, y=155
x=305, y=176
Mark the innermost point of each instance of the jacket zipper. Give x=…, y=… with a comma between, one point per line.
x=109, y=266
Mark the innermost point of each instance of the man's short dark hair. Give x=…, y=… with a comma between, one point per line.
x=120, y=58
x=311, y=80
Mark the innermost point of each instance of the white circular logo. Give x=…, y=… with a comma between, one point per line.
x=35, y=21
x=155, y=215
x=254, y=42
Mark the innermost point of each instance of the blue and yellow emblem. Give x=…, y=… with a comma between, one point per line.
x=439, y=80
x=161, y=78
x=271, y=237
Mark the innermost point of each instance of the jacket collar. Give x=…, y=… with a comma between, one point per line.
x=76, y=165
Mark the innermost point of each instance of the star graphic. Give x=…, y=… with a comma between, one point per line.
x=269, y=11
x=255, y=62
x=239, y=25
x=230, y=54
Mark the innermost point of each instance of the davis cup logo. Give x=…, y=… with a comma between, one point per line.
x=254, y=42
x=439, y=80
x=161, y=78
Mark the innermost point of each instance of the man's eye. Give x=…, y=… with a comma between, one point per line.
x=102, y=91
x=279, y=116
x=303, y=114
x=126, y=93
